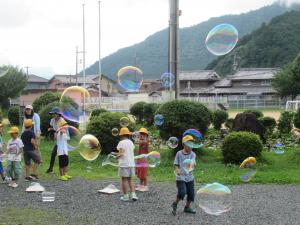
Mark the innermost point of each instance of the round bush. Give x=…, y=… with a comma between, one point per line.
x=297, y=119
x=218, y=118
x=237, y=146
x=13, y=115
x=101, y=126
x=257, y=113
x=268, y=123
x=285, y=123
x=180, y=115
x=45, y=99
x=97, y=112
x=138, y=111
x=45, y=118
x=149, y=112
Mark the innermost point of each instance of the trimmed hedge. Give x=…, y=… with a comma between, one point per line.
x=218, y=118
x=13, y=115
x=285, y=123
x=268, y=123
x=45, y=99
x=138, y=111
x=237, y=146
x=149, y=112
x=97, y=112
x=45, y=118
x=101, y=126
x=257, y=113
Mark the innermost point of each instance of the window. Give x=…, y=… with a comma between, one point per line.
x=246, y=83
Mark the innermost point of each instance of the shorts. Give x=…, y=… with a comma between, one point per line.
x=63, y=161
x=1, y=168
x=14, y=169
x=186, y=188
x=126, y=171
x=31, y=155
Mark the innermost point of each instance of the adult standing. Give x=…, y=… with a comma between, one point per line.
x=36, y=126
x=54, y=126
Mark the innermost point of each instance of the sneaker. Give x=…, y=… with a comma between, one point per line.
x=49, y=170
x=63, y=178
x=134, y=197
x=67, y=176
x=28, y=178
x=14, y=185
x=189, y=210
x=174, y=208
x=125, y=198
x=35, y=177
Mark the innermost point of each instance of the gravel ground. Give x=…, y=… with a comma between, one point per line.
x=78, y=202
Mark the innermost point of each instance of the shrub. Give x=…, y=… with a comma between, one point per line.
x=101, y=126
x=45, y=99
x=97, y=112
x=257, y=113
x=237, y=146
x=149, y=112
x=297, y=119
x=1, y=115
x=13, y=115
x=268, y=124
x=45, y=118
x=229, y=123
x=180, y=115
x=285, y=122
x=218, y=118
x=138, y=111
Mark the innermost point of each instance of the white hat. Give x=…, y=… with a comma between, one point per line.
x=28, y=107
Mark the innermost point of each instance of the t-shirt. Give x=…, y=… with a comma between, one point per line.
x=14, y=147
x=179, y=158
x=127, y=160
x=26, y=137
x=62, y=143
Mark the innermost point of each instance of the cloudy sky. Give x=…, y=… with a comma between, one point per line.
x=43, y=34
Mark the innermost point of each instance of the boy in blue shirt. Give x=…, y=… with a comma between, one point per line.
x=184, y=180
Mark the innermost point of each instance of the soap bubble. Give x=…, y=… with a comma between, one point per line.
x=198, y=138
x=124, y=122
x=279, y=149
x=130, y=78
x=222, y=39
x=136, y=136
x=73, y=133
x=89, y=147
x=167, y=80
x=188, y=166
x=115, y=132
x=148, y=160
x=132, y=118
x=74, y=104
x=248, y=164
x=173, y=142
x=214, y=199
x=111, y=159
x=158, y=119
x=248, y=176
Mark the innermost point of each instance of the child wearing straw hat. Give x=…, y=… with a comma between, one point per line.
x=14, y=156
x=126, y=164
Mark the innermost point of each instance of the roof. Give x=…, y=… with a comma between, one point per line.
x=36, y=79
x=199, y=75
x=226, y=82
x=254, y=74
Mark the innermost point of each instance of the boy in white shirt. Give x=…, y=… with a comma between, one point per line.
x=14, y=156
x=126, y=164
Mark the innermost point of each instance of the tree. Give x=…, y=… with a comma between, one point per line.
x=45, y=99
x=12, y=84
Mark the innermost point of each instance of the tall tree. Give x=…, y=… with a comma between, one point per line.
x=12, y=84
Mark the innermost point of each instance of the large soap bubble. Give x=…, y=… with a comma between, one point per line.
x=115, y=132
x=136, y=136
x=74, y=134
x=167, y=80
x=248, y=167
x=173, y=142
x=279, y=149
x=197, y=136
x=222, y=39
x=188, y=166
x=124, y=122
x=159, y=120
x=214, y=199
x=89, y=147
x=111, y=159
x=148, y=160
x=75, y=104
x=130, y=78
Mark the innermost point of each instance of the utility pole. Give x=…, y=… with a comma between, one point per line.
x=100, y=66
x=83, y=61
x=27, y=67
x=76, y=72
x=174, y=42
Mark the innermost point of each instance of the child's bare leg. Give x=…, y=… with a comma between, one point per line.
x=131, y=184
x=61, y=171
x=65, y=170
x=124, y=185
x=34, y=169
x=188, y=204
x=145, y=181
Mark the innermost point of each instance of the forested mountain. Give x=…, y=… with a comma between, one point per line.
x=151, y=55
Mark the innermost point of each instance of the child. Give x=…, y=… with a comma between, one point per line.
x=14, y=150
x=142, y=172
x=184, y=180
x=62, y=138
x=126, y=164
x=30, y=151
x=1, y=154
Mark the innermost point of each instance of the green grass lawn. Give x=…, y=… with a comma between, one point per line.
x=271, y=168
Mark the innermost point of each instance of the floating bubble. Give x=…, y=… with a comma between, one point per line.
x=73, y=133
x=173, y=142
x=148, y=160
x=115, y=132
x=222, y=39
x=167, y=80
x=249, y=162
x=124, y=122
x=188, y=166
x=110, y=159
x=130, y=78
x=159, y=120
x=197, y=136
x=132, y=118
x=279, y=149
x=75, y=104
x=89, y=147
x=214, y=199
x=136, y=136
x=248, y=176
